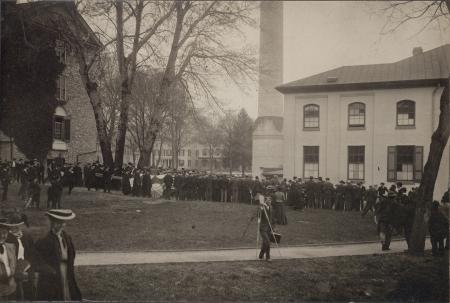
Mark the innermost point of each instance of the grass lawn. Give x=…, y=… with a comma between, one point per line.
x=396, y=277
x=117, y=222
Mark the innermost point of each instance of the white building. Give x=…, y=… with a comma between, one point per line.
x=192, y=156
x=369, y=123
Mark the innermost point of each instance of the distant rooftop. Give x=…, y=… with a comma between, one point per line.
x=421, y=69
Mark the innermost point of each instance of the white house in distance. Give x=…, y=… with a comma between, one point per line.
x=369, y=123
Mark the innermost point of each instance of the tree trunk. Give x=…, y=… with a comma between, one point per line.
x=425, y=192
x=159, y=153
x=146, y=152
x=144, y=159
x=210, y=160
x=100, y=123
x=122, y=128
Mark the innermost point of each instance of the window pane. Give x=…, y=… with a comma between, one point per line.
x=311, y=116
x=311, y=161
x=357, y=114
x=356, y=162
x=405, y=163
x=406, y=113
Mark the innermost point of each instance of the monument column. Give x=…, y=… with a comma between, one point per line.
x=268, y=133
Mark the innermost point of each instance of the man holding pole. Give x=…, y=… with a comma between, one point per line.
x=265, y=226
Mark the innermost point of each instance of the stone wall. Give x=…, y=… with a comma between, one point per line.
x=83, y=136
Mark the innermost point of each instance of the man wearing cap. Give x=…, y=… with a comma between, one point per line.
x=57, y=278
x=8, y=263
x=383, y=215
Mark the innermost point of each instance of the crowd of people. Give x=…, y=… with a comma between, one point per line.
x=393, y=207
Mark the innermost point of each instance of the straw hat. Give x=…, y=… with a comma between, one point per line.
x=60, y=214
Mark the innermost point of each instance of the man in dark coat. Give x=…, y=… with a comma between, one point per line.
x=266, y=225
x=438, y=228
x=57, y=278
x=384, y=217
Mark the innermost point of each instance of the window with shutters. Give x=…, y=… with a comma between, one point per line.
x=58, y=128
x=356, y=159
x=311, y=161
x=405, y=163
x=356, y=114
x=406, y=113
x=189, y=162
x=67, y=130
x=311, y=116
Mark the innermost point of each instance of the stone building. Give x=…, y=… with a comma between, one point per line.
x=192, y=156
x=368, y=123
x=74, y=129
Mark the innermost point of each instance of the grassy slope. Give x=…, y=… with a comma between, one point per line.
x=117, y=222
x=358, y=278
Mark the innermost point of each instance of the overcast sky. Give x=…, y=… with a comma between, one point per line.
x=319, y=36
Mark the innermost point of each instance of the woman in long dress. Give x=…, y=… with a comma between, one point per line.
x=279, y=209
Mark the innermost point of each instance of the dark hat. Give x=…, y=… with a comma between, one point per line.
x=60, y=214
x=311, y=177
x=16, y=219
x=4, y=223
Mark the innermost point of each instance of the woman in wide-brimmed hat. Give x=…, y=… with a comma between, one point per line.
x=26, y=255
x=57, y=278
x=8, y=262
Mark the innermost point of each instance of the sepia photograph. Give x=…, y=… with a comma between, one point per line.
x=224, y=151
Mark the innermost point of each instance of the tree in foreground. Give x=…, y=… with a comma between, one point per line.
x=29, y=69
x=428, y=11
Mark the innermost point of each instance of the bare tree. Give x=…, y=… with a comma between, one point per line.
x=198, y=51
x=210, y=134
x=145, y=113
x=430, y=11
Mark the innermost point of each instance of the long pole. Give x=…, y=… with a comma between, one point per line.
x=257, y=232
x=270, y=225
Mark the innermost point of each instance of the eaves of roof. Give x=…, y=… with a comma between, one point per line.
x=363, y=86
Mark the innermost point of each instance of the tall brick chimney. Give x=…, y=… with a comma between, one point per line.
x=268, y=133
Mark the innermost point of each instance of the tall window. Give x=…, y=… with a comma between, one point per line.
x=60, y=50
x=356, y=114
x=61, y=88
x=204, y=152
x=311, y=116
x=189, y=163
x=189, y=152
x=311, y=161
x=61, y=128
x=405, y=163
x=406, y=113
x=356, y=162
x=58, y=128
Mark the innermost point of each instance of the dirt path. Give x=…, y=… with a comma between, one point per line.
x=240, y=254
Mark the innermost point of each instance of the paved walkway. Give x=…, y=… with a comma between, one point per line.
x=242, y=254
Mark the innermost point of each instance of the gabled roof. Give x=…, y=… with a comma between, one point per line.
x=422, y=69
x=41, y=12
